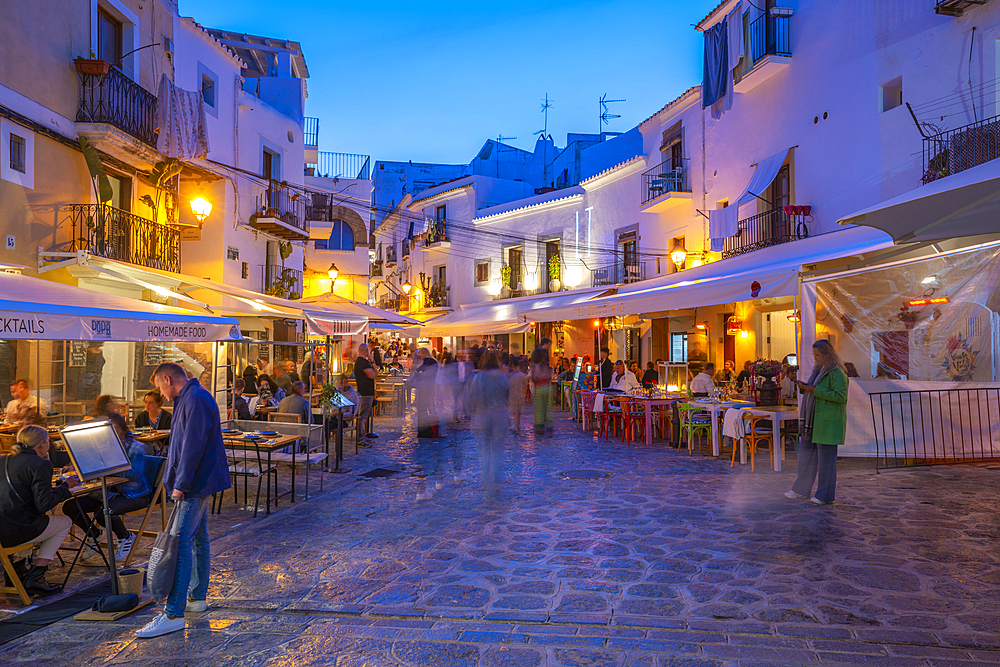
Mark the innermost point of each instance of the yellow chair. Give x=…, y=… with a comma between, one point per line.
x=693, y=424
x=8, y=566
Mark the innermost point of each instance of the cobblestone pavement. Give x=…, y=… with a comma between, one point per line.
x=597, y=553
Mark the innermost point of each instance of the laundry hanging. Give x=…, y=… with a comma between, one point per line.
x=180, y=119
x=716, y=64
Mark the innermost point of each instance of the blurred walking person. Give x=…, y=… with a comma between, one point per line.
x=489, y=394
x=541, y=381
x=424, y=380
x=518, y=380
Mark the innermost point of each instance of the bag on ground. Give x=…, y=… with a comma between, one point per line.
x=163, y=559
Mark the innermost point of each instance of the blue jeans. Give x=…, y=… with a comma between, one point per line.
x=816, y=460
x=191, y=578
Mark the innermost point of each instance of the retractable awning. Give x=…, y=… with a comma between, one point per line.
x=964, y=204
x=504, y=316
x=320, y=319
x=724, y=222
x=35, y=309
x=374, y=315
x=768, y=273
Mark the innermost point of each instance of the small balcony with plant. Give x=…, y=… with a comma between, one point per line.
x=436, y=237
x=115, y=113
x=951, y=151
x=618, y=273
x=281, y=212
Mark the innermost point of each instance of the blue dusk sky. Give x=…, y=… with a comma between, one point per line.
x=432, y=81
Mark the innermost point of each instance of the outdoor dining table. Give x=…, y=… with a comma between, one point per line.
x=649, y=402
x=715, y=408
x=269, y=447
x=777, y=414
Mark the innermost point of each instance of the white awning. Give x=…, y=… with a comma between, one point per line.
x=964, y=204
x=359, y=309
x=503, y=316
x=724, y=222
x=35, y=309
x=768, y=273
x=321, y=320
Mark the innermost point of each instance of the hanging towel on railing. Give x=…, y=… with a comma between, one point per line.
x=722, y=223
x=180, y=118
x=735, y=34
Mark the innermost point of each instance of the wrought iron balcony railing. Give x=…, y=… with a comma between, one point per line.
x=964, y=147
x=376, y=270
x=390, y=255
x=766, y=36
x=618, y=274
x=343, y=165
x=437, y=232
x=285, y=283
x=760, y=231
x=393, y=302
x=437, y=296
x=115, y=99
x=109, y=232
x=284, y=204
x=661, y=179
x=405, y=249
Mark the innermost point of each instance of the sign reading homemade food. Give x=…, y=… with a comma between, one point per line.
x=53, y=326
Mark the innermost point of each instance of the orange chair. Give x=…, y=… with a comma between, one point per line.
x=754, y=433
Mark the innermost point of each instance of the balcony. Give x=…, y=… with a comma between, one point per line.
x=393, y=302
x=760, y=231
x=390, y=256
x=105, y=231
x=341, y=165
x=767, y=49
x=964, y=147
x=281, y=212
x=118, y=116
x=310, y=139
x=436, y=237
x=663, y=187
x=375, y=270
x=405, y=251
x=956, y=7
x=281, y=282
x=438, y=296
x=618, y=274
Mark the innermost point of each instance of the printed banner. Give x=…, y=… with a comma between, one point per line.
x=49, y=326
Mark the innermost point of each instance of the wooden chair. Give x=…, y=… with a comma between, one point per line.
x=8, y=566
x=155, y=467
x=694, y=423
x=285, y=417
x=611, y=418
x=633, y=418
x=754, y=432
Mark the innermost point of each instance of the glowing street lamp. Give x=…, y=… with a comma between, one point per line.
x=202, y=208
x=406, y=287
x=333, y=272
x=678, y=255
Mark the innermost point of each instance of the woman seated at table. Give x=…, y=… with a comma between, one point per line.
x=270, y=394
x=125, y=497
x=154, y=416
x=104, y=406
x=26, y=495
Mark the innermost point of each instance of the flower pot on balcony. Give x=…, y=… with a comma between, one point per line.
x=91, y=66
x=909, y=324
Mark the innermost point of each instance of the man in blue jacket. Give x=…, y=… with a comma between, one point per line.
x=196, y=469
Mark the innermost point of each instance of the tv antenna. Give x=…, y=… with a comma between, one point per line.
x=604, y=114
x=500, y=140
x=546, y=105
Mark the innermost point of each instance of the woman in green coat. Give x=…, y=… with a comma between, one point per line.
x=822, y=423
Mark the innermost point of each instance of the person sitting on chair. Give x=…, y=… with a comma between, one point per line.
x=650, y=378
x=26, y=495
x=297, y=403
x=702, y=384
x=105, y=405
x=623, y=379
x=24, y=407
x=132, y=495
x=241, y=409
x=154, y=416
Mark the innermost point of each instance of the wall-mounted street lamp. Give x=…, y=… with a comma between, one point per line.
x=202, y=208
x=333, y=272
x=406, y=287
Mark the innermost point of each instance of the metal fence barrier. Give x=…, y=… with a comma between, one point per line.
x=936, y=426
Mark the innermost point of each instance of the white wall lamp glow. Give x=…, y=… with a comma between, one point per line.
x=531, y=280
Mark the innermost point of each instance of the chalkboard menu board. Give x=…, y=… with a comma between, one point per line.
x=264, y=352
x=77, y=354
x=152, y=354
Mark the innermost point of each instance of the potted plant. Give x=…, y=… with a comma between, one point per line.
x=907, y=317
x=91, y=65
x=505, y=275
x=554, y=266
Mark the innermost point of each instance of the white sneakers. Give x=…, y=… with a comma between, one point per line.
x=196, y=605
x=791, y=495
x=817, y=501
x=124, y=548
x=161, y=625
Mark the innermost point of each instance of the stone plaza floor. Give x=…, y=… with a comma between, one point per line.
x=597, y=553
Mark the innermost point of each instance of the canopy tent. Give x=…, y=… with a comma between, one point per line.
x=374, y=315
x=724, y=222
x=767, y=273
x=501, y=317
x=964, y=204
x=73, y=313
x=321, y=319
